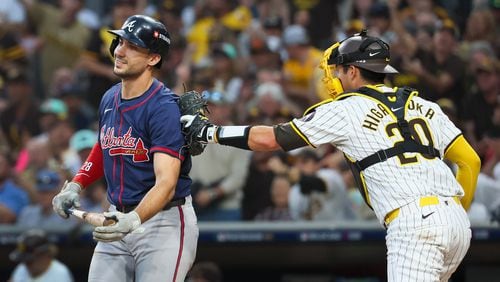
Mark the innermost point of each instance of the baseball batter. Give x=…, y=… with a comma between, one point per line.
x=395, y=143
x=140, y=152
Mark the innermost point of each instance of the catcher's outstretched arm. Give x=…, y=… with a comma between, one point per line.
x=282, y=136
x=255, y=138
x=262, y=138
x=259, y=138
x=199, y=130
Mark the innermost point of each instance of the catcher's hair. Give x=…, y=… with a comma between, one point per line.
x=370, y=76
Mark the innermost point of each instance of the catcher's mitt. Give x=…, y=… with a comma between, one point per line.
x=192, y=103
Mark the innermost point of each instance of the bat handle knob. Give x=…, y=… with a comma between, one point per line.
x=109, y=220
x=68, y=211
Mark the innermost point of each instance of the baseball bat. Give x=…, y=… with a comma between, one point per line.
x=96, y=219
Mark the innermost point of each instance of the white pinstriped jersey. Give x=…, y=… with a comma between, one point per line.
x=359, y=126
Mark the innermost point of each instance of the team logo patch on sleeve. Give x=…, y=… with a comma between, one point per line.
x=308, y=117
x=124, y=145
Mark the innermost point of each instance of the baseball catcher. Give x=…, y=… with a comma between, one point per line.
x=395, y=143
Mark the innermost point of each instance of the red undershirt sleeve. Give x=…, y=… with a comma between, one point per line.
x=92, y=169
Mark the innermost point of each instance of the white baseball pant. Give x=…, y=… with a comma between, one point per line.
x=165, y=251
x=427, y=243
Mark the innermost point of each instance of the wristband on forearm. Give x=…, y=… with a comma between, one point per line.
x=234, y=136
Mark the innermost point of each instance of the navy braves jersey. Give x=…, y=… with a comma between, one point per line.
x=131, y=131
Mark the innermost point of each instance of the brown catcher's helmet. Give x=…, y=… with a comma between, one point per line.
x=144, y=32
x=366, y=52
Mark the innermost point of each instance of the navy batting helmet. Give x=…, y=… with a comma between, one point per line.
x=365, y=52
x=144, y=32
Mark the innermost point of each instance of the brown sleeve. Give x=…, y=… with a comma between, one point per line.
x=287, y=137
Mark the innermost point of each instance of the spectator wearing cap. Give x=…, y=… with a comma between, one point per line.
x=226, y=81
x=480, y=26
x=82, y=142
x=300, y=69
x=274, y=9
x=379, y=22
x=19, y=121
x=474, y=54
x=35, y=255
x=12, y=54
x=170, y=12
x=317, y=17
x=273, y=29
x=220, y=21
x=12, y=197
x=80, y=113
x=261, y=46
x=264, y=52
x=481, y=104
x=270, y=105
x=349, y=28
x=219, y=173
x=356, y=9
x=52, y=110
x=408, y=15
x=439, y=73
x=56, y=141
x=40, y=214
x=96, y=60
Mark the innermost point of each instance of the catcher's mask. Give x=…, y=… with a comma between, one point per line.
x=145, y=32
x=366, y=52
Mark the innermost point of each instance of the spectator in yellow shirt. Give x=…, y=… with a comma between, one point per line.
x=300, y=68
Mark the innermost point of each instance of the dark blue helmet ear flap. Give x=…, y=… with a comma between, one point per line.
x=145, y=32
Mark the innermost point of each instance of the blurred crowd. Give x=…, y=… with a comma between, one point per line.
x=256, y=62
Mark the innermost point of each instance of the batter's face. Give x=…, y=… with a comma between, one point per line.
x=131, y=60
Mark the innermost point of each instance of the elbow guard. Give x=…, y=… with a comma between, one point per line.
x=287, y=137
